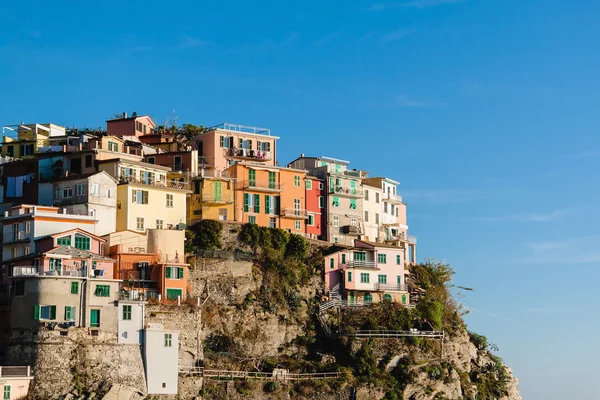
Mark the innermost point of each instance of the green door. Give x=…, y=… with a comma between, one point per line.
x=351, y=297
x=172, y=294
x=94, y=318
x=217, y=188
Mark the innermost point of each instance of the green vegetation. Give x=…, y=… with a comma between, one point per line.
x=205, y=235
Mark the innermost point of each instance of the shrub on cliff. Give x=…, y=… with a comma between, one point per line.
x=207, y=234
x=296, y=247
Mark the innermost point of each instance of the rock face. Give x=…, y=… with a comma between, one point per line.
x=225, y=327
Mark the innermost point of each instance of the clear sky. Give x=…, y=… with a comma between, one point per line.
x=486, y=111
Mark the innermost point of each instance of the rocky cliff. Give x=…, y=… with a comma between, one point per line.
x=253, y=308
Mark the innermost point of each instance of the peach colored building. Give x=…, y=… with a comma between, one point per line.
x=15, y=381
x=223, y=145
x=293, y=200
x=367, y=273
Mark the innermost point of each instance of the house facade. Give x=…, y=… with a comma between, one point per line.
x=94, y=195
x=292, y=208
x=315, y=207
x=15, y=381
x=213, y=197
x=373, y=197
x=368, y=273
x=223, y=145
x=130, y=126
x=145, y=198
x=24, y=141
x=161, y=359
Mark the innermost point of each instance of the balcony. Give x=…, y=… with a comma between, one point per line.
x=294, y=213
x=392, y=198
x=249, y=154
x=124, y=180
x=213, y=173
x=242, y=129
x=217, y=199
x=345, y=191
x=22, y=271
x=352, y=230
x=262, y=186
x=389, y=287
x=412, y=239
x=360, y=264
x=20, y=236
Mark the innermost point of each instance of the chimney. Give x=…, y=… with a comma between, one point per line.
x=301, y=154
x=134, y=114
x=124, y=114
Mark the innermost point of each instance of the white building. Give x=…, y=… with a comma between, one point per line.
x=131, y=321
x=91, y=194
x=372, y=206
x=161, y=359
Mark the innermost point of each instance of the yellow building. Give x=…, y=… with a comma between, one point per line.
x=146, y=199
x=212, y=198
x=23, y=141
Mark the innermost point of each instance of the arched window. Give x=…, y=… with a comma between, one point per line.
x=368, y=298
x=387, y=297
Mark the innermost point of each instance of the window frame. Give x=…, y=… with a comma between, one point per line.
x=126, y=312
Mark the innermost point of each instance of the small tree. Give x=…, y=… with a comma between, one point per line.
x=208, y=234
x=296, y=247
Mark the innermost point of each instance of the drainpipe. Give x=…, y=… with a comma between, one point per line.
x=81, y=303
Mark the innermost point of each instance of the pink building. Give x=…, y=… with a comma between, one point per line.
x=130, y=126
x=71, y=253
x=14, y=382
x=366, y=273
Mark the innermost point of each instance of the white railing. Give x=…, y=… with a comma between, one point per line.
x=392, y=197
x=294, y=213
x=242, y=128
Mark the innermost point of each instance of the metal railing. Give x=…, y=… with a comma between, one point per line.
x=249, y=153
x=213, y=173
x=278, y=375
x=392, y=197
x=170, y=184
x=242, y=128
x=346, y=191
x=393, y=334
x=16, y=236
x=359, y=264
x=262, y=185
x=18, y=271
x=351, y=229
x=294, y=213
x=412, y=239
x=217, y=199
x=390, y=287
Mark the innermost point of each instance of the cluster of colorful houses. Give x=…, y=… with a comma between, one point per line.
x=94, y=222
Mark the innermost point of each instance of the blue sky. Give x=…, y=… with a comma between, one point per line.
x=486, y=111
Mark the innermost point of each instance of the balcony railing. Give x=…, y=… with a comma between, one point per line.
x=412, y=239
x=18, y=271
x=257, y=155
x=346, y=191
x=389, y=287
x=169, y=184
x=352, y=230
x=392, y=198
x=242, y=128
x=360, y=264
x=213, y=173
x=16, y=237
x=263, y=186
x=295, y=213
x=217, y=199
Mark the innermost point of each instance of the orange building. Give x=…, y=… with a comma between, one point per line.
x=270, y=196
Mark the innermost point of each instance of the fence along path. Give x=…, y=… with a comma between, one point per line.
x=250, y=375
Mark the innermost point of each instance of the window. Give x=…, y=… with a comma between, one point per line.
x=376, y=197
x=331, y=263
x=387, y=297
x=44, y=312
x=151, y=160
x=196, y=187
x=349, y=276
x=55, y=264
x=169, y=200
x=396, y=211
x=364, y=277
x=252, y=177
x=398, y=260
x=251, y=203
x=272, y=180
x=272, y=222
x=95, y=318
x=19, y=288
x=88, y=161
x=69, y=313
x=57, y=193
x=353, y=204
x=271, y=205
x=174, y=272
x=381, y=258
x=297, y=225
x=336, y=239
x=95, y=189
x=366, y=216
x=366, y=195
x=399, y=280
x=377, y=218
x=67, y=192
x=321, y=202
x=64, y=241
x=108, y=193
x=174, y=294
x=168, y=340
x=79, y=189
x=74, y=287
x=382, y=278
x=102, y=291
x=392, y=209
x=353, y=221
x=320, y=185
x=311, y=220
x=336, y=220
x=159, y=224
x=343, y=259
x=360, y=256
x=10, y=151
x=385, y=207
x=252, y=219
x=297, y=180
x=139, y=223
x=126, y=313
x=139, y=196
x=368, y=298
x=309, y=184
x=7, y=392
x=82, y=242
x=336, y=201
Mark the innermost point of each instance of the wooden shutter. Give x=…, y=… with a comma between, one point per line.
x=36, y=312
x=168, y=272
x=246, y=202
x=256, y=203
x=180, y=273
x=145, y=197
x=52, y=312
x=267, y=204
